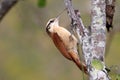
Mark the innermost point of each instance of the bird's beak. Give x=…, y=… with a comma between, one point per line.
x=57, y=18
x=60, y=14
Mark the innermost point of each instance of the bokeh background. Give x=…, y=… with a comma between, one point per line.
x=27, y=52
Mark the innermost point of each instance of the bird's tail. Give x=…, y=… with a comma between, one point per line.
x=80, y=64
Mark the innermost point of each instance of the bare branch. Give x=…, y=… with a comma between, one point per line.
x=110, y=2
x=5, y=6
x=74, y=18
x=81, y=31
x=110, y=10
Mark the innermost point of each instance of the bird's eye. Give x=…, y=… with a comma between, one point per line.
x=51, y=21
x=48, y=25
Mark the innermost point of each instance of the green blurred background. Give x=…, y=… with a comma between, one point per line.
x=26, y=51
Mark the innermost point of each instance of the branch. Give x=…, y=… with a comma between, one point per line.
x=76, y=20
x=110, y=10
x=5, y=6
x=77, y=23
x=93, y=45
x=82, y=32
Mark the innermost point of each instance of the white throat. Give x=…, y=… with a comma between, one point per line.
x=55, y=24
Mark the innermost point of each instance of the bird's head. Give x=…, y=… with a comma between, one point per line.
x=54, y=22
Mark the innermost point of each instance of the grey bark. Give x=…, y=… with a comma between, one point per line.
x=98, y=40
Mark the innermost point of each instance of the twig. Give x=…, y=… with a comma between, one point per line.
x=110, y=10
x=74, y=17
x=5, y=6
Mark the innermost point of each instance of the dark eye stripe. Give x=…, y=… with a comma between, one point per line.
x=49, y=24
x=51, y=21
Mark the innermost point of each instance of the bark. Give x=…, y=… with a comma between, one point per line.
x=98, y=40
x=5, y=6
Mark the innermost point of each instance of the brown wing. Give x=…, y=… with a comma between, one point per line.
x=77, y=61
x=60, y=45
x=68, y=54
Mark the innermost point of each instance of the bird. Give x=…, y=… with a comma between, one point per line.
x=65, y=42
